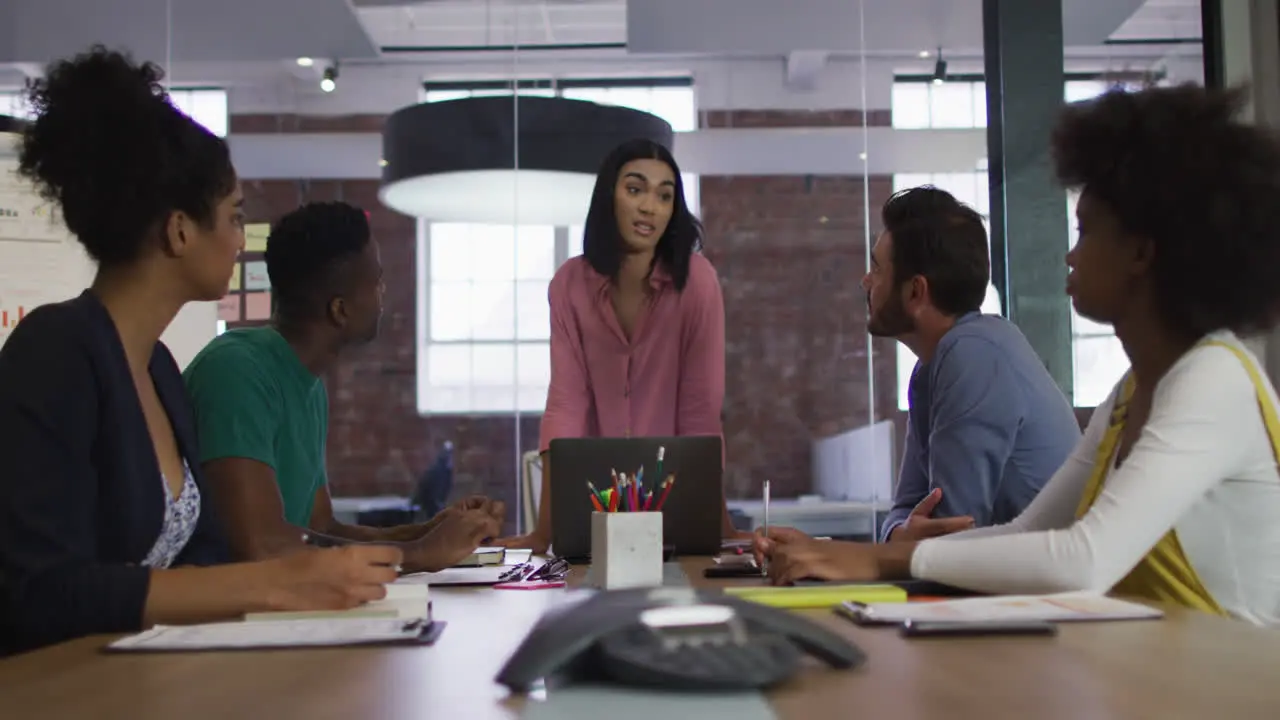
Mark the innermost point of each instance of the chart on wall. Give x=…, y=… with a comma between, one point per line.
x=39, y=261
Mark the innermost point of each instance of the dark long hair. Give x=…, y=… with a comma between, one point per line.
x=602, y=243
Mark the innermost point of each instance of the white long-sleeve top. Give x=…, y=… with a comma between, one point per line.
x=1203, y=464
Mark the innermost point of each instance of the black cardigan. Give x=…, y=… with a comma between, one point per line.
x=81, y=494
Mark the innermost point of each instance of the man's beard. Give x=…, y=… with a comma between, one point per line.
x=891, y=321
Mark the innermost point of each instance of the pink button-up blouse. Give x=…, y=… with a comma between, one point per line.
x=667, y=380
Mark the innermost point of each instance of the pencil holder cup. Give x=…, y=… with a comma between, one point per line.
x=626, y=550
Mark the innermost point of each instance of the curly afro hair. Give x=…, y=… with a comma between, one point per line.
x=1174, y=165
x=109, y=148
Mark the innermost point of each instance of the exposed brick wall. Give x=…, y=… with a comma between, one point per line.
x=790, y=251
x=794, y=118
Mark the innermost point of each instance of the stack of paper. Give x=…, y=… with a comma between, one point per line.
x=1064, y=607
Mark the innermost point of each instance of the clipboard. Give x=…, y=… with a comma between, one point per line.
x=280, y=635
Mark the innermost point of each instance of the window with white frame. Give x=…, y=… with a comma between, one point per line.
x=207, y=106
x=1098, y=358
x=483, y=319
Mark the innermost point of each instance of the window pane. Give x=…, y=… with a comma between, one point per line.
x=494, y=365
x=962, y=185
x=906, y=363
x=991, y=303
x=535, y=364
x=493, y=310
x=575, y=240
x=1099, y=364
x=635, y=98
x=984, y=195
x=533, y=313
x=535, y=252
x=980, y=104
x=449, y=365
x=951, y=105
x=493, y=252
x=692, y=192
x=450, y=252
x=442, y=95
x=209, y=108
x=595, y=95
x=676, y=106
x=450, y=315
x=910, y=105
x=1077, y=90
x=1084, y=326
x=534, y=374
x=903, y=181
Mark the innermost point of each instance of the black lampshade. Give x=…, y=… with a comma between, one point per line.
x=455, y=160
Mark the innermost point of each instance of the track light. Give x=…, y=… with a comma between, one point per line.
x=939, y=69
x=330, y=80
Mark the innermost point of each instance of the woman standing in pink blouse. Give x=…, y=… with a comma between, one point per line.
x=637, y=321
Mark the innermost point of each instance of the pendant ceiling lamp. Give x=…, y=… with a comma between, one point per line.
x=456, y=160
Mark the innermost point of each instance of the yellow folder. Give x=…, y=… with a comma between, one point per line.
x=818, y=596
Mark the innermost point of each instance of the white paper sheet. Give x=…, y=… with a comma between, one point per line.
x=1064, y=607
x=287, y=633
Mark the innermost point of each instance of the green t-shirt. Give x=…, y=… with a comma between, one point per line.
x=254, y=399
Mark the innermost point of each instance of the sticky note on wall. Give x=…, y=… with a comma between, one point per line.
x=229, y=308
x=235, y=277
x=255, y=276
x=255, y=237
x=257, y=306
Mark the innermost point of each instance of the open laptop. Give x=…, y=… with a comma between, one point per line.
x=691, y=515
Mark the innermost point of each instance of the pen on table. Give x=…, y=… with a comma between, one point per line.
x=764, y=559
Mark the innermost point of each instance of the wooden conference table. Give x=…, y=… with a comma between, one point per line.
x=1186, y=666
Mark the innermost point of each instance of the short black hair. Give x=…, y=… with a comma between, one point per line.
x=943, y=240
x=1175, y=166
x=602, y=242
x=110, y=149
x=307, y=251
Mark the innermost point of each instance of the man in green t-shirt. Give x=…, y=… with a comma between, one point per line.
x=262, y=412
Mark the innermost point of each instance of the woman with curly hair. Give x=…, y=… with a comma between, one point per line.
x=1173, y=493
x=104, y=523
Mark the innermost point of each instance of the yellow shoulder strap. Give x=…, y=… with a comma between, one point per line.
x=1165, y=573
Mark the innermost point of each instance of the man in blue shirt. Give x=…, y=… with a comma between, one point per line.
x=987, y=425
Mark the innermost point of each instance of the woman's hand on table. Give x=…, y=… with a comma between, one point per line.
x=330, y=579
x=800, y=559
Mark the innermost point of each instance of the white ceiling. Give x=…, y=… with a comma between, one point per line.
x=451, y=23
x=900, y=24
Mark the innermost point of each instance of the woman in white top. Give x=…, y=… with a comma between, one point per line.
x=1173, y=492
